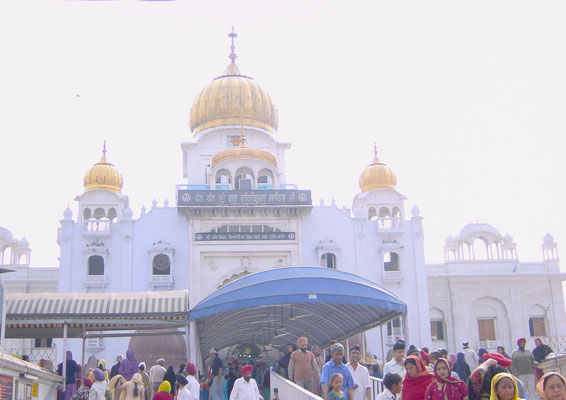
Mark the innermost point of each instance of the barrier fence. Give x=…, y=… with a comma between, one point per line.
x=287, y=390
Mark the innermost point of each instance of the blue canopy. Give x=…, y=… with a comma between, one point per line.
x=278, y=305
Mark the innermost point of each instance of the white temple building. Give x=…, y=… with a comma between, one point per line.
x=236, y=214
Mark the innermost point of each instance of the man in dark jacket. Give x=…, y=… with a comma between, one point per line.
x=116, y=367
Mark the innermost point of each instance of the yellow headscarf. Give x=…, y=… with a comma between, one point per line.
x=165, y=387
x=496, y=379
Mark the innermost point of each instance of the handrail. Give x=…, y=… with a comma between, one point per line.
x=376, y=386
x=288, y=390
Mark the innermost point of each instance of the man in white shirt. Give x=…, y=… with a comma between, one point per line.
x=396, y=364
x=156, y=374
x=470, y=355
x=193, y=384
x=183, y=392
x=393, y=383
x=245, y=388
x=362, y=388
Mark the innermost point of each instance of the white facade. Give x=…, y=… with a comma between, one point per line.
x=103, y=249
x=483, y=294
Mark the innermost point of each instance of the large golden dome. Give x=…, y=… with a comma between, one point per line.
x=243, y=151
x=103, y=175
x=377, y=176
x=233, y=99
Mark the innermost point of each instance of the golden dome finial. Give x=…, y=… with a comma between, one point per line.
x=232, y=55
x=103, y=175
x=377, y=175
x=232, y=99
x=232, y=68
x=375, y=158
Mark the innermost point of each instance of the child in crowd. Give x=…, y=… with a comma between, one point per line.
x=504, y=387
x=393, y=383
x=336, y=392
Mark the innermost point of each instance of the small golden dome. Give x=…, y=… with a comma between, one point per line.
x=243, y=151
x=103, y=175
x=233, y=99
x=377, y=176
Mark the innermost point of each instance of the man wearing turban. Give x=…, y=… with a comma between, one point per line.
x=245, y=388
x=303, y=366
x=523, y=366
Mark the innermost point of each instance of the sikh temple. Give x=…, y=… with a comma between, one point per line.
x=236, y=215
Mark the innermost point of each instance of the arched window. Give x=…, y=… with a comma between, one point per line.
x=328, y=260
x=6, y=256
x=99, y=213
x=223, y=177
x=96, y=265
x=437, y=324
x=537, y=321
x=372, y=214
x=161, y=265
x=265, y=179
x=112, y=213
x=384, y=212
x=391, y=262
x=480, y=249
x=87, y=214
x=244, y=179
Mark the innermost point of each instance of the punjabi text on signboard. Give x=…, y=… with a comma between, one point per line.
x=243, y=197
x=212, y=236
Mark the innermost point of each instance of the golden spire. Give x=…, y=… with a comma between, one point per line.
x=232, y=68
x=103, y=175
x=375, y=159
x=377, y=175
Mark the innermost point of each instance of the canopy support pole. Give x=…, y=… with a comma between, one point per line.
x=193, y=342
x=188, y=342
x=382, y=347
x=64, y=362
x=83, y=357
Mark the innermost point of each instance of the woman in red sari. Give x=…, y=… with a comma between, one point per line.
x=417, y=378
x=446, y=387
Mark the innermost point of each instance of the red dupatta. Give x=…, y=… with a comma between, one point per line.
x=414, y=388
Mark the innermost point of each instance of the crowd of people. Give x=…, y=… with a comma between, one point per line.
x=408, y=374
x=418, y=374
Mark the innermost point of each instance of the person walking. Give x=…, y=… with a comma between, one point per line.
x=217, y=387
x=360, y=374
x=540, y=352
x=335, y=365
x=183, y=392
x=84, y=390
x=416, y=380
x=446, y=386
x=396, y=364
x=129, y=366
x=156, y=374
x=470, y=355
x=99, y=387
x=145, y=380
x=163, y=392
x=245, y=388
x=302, y=366
x=71, y=374
x=134, y=389
x=115, y=370
x=523, y=366
x=193, y=384
x=171, y=378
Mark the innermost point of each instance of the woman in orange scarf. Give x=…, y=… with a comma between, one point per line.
x=552, y=386
x=417, y=379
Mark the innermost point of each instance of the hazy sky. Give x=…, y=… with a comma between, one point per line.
x=465, y=100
